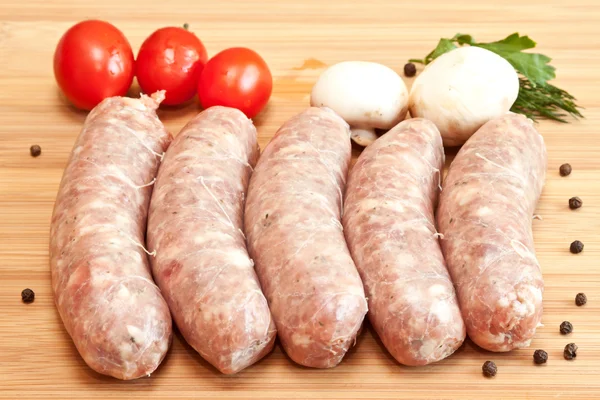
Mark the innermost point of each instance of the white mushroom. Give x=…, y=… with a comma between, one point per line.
x=462, y=90
x=366, y=95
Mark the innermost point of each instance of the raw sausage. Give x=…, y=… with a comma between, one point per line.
x=195, y=226
x=101, y=279
x=485, y=214
x=295, y=237
x=389, y=225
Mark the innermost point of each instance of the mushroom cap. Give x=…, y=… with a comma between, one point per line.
x=462, y=90
x=365, y=94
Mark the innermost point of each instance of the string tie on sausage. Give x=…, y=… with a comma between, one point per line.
x=161, y=156
x=439, y=174
x=150, y=253
x=520, y=248
x=133, y=132
x=145, y=185
x=337, y=223
x=218, y=203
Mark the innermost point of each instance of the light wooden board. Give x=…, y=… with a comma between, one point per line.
x=38, y=359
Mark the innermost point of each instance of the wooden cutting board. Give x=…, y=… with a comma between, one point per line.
x=298, y=39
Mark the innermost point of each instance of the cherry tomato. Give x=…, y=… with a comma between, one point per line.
x=238, y=78
x=93, y=61
x=171, y=59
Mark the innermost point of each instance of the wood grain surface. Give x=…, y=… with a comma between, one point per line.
x=298, y=39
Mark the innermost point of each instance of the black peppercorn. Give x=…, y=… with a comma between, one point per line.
x=35, y=150
x=575, y=203
x=580, y=299
x=566, y=327
x=565, y=170
x=27, y=295
x=570, y=351
x=410, y=70
x=489, y=369
x=540, y=357
x=576, y=247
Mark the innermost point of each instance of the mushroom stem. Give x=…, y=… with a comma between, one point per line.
x=363, y=136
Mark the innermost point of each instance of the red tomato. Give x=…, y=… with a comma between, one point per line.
x=238, y=78
x=93, y=61
x=171, y=59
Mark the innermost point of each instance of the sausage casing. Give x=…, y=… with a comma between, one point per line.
x=389, y=225
x=195, y=226
x=101, y=279
x=295, y=237
x=485, y=214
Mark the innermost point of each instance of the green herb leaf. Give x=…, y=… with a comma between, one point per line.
x=511, y=43
x=444, y=46
x=533, y=66
x=463, y=39
x=545, y=101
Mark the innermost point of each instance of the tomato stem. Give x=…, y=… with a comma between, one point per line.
x=186, y=26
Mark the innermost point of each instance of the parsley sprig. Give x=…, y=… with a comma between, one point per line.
x=537, y=98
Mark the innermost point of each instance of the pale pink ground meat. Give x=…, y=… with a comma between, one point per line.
x=485, y=214
x=101, y=279
x=389, y=225
x=295, y=237
x=195, y=226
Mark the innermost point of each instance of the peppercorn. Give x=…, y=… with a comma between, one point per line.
x=570, y=351
x=566, y=327
x=27, y=295
x=580, y=299
x=576, y=247
x=35, y=150
x=489, y=369
x=540, y=357
x=410, y=70
x=575, y=203
x=565, y=170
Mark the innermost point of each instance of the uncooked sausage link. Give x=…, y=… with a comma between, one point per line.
x=195, y=227
x=485, y=215
x=295, y=237
x=101, y=279
x=389, y=225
